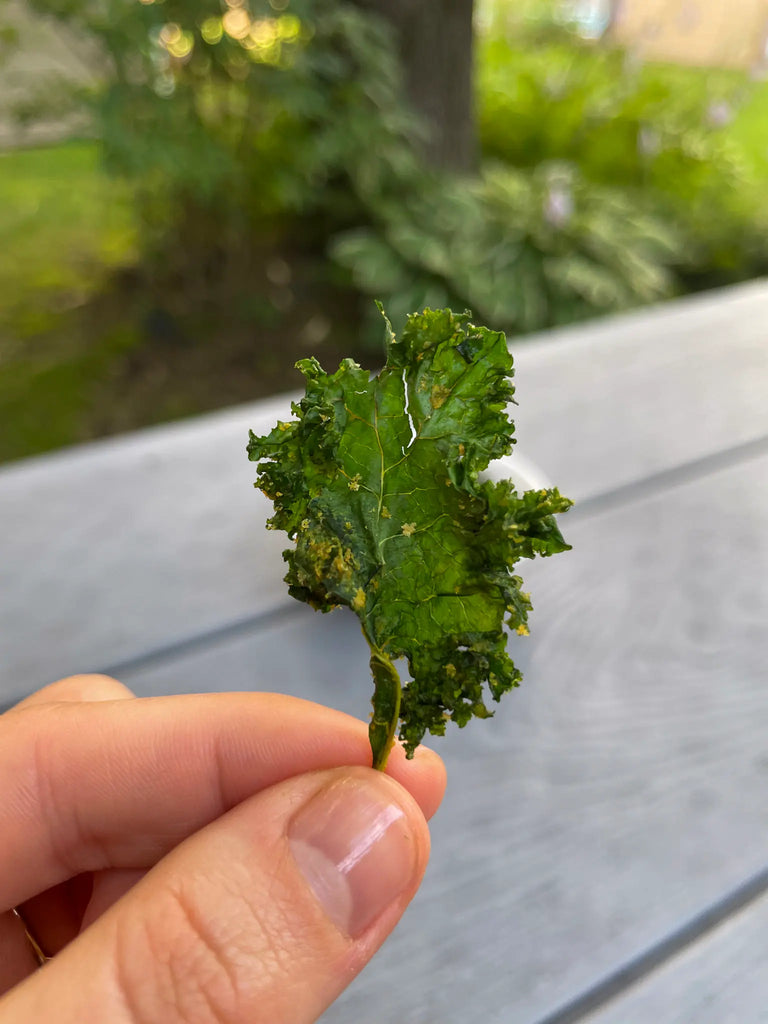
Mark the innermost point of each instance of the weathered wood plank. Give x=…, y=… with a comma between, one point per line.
x=618, y=792
x=115, y=547
x=720, y=980
x=625, y=397
x=120, y=546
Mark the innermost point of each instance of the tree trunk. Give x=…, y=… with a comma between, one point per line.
x=435, y=43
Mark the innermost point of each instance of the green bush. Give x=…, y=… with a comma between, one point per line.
x=659, y=133
x=605, y=183
x=523, y=250
x=234, y=122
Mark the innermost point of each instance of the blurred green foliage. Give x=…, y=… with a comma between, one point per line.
x=64, y=228
x=523, y=250
x=607, y=183
x=236, y=122
x=55, y=202
x=237, y=132
x=660, y=133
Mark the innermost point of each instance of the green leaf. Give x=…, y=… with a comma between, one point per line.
x=378, y=482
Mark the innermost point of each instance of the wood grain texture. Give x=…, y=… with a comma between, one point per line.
x=123, y=545
x=116, y=548
x=625, y=397
x=613, y=796
x=721, y=980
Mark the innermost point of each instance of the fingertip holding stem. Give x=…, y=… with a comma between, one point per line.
x=265, y=914
x=386, y=707
x=358, y=849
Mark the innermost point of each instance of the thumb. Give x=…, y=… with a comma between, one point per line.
x=265, y=915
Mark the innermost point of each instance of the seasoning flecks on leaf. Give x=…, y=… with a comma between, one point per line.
x=377, y=481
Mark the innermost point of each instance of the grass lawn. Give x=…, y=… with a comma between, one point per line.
x=92, y=344
x=64, y=229
x=750, y=128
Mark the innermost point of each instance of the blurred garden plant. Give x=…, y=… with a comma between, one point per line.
x=244, y=121
x=524, y=250
x=606, y=184
x=257, y=142
x=237, y=120
x=659, y=133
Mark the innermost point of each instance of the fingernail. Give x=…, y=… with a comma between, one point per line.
x=356, y=849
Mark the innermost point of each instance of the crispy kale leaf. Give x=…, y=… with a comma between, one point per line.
x=377, y=481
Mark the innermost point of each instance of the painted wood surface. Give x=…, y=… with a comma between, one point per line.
x=721, y=980
x=629, y=397
x=118, y=547
x=618, y=794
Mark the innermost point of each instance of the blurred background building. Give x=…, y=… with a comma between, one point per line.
x=698, y=32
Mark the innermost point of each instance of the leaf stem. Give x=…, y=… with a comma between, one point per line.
x=386, y=706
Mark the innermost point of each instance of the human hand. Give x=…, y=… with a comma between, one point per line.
x=205, y=859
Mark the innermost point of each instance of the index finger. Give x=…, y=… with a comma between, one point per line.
x=91, y=686
x=88, y=786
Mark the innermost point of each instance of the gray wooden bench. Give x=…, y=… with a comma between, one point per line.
x=602, y=851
